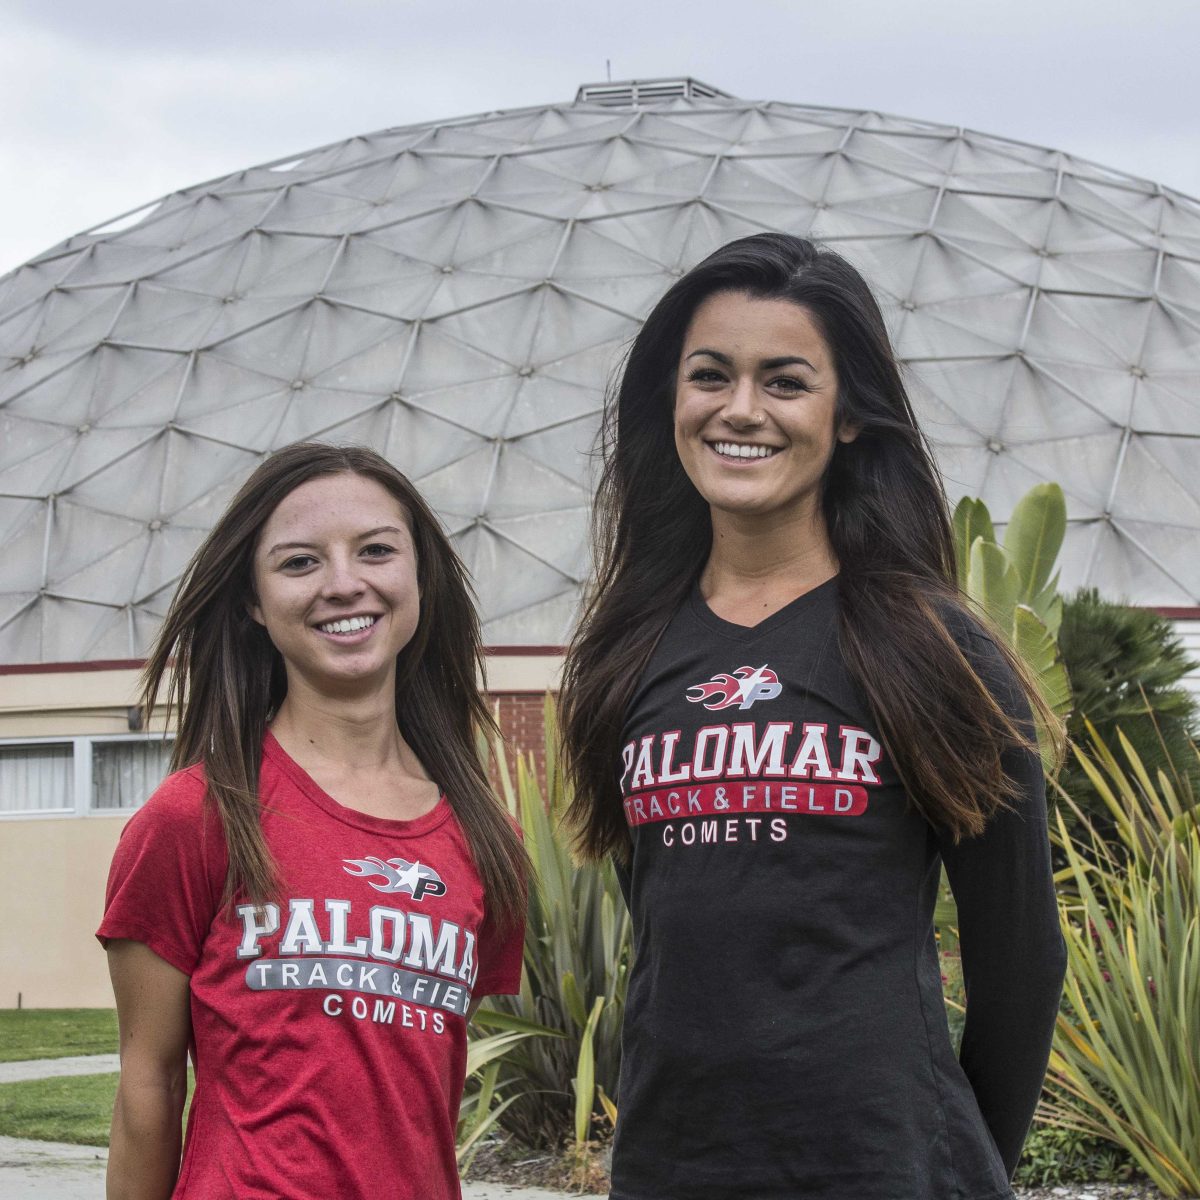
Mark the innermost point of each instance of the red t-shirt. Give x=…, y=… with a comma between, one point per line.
x=329, y=1036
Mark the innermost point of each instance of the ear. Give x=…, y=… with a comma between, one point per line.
x=848, y=431
x=255, y=611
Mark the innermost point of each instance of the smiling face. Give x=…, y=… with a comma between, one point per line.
x=755, y=408
x=335, y=582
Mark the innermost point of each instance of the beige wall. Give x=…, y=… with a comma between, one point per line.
x=52, y=876
x=66, y=703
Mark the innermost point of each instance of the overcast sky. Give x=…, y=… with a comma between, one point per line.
x=106, y=106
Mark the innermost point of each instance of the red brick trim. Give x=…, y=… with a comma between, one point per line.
x=51, y=668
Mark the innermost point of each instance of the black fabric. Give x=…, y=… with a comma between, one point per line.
x=785, y=1034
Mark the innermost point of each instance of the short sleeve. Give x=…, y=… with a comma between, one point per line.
x=501, y=954
x=167, y=874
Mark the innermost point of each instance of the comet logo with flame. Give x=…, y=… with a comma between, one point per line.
x=399, y=875
x=746, y=686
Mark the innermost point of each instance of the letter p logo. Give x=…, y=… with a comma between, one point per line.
x=761, y=691
x=755, y=684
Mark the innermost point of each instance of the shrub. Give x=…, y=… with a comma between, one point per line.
x=1054, y=1155
x=1015, y=586
x=555, y=1088
x=1125, y=1066
x=484, y=1102
x=1126, y=666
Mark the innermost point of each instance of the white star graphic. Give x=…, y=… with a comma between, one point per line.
x=747, y=685
x=409, y=877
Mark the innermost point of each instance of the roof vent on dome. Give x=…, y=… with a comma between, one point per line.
x=629, y=93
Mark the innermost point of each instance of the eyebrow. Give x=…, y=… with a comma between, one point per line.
x=370, y=533
x=768, y=364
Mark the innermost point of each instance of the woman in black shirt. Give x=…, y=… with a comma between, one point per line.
x=781, y=718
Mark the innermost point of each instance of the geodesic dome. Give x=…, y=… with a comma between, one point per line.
x=456, y=293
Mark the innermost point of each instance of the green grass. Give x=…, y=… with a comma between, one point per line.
x=71, y=1108
x=56, y=1032
x=74, y=1108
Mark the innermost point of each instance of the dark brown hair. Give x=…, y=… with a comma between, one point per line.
x=227, y=679
x=888, y=526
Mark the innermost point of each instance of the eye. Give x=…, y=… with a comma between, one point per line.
x=377, y=550
x=788, y=383
x=704, y=375
x=297, y=562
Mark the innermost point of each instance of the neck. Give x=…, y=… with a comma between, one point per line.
x=773, y=561
x=355, y=731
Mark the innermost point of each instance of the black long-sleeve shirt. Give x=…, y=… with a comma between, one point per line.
x=785, y=1032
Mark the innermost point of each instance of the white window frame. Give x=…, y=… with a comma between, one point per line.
x=81, y=777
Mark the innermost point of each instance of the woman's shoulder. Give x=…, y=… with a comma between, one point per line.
x=180, y=799
x=965, y=625
x=981, y=646
x=173, y=838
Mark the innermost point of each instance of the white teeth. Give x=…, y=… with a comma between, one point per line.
x=739, y=450
x=349, y=625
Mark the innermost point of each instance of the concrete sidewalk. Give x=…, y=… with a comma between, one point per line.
x=51, y=1068
x=56, y=1171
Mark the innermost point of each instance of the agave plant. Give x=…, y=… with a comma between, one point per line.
x=484, y=1102
x=1126, y=1059
x=554, y=1088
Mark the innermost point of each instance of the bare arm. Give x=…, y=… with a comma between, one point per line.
x=154, y=1016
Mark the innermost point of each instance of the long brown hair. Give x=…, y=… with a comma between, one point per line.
x=883, y=503
x=227, y=679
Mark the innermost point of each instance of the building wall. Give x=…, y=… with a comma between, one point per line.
x=52, y=875
x=1189, y=634
x=521, y=716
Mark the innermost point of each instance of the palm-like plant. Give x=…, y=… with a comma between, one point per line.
x=1126, y=667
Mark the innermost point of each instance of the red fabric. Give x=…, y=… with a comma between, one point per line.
x=329, y=1048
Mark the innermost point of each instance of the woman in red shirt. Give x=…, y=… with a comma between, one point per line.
x=318, y=897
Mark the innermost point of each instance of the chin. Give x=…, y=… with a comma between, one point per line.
x=340, y=674
x=741, y=505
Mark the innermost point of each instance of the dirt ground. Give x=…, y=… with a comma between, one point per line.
x=503, y=1164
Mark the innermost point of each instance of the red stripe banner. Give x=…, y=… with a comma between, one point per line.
x=727, y=799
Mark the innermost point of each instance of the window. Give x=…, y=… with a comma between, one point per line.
x=124, y=773
x=75, y=776
x=37, y=778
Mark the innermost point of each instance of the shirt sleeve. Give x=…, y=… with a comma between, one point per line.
x=167, y=874
x=501, y=955
x=501, y=952
x=1013, y=957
